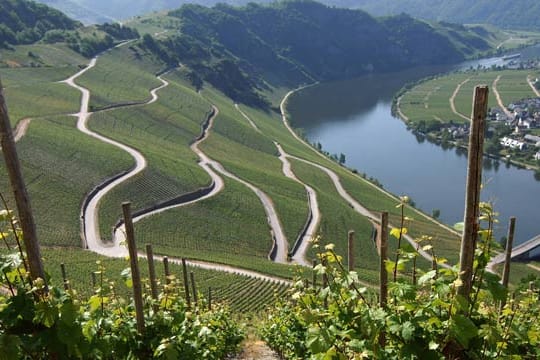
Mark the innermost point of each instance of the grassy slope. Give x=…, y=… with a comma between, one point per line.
x=60, y=165
x=253, y=157
x=162, y=131
x=121, y=75
x=36, y=92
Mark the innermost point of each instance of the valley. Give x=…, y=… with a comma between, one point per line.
x=210, y=139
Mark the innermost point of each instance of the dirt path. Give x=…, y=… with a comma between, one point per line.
x=314, y=218
x=253, y=125
x=398, y=108
x=453, y=97
x=21, y=129
x=531, y=84
x=498, y=97
x=90, y=213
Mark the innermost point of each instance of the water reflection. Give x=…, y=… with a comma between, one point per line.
x=354, y=118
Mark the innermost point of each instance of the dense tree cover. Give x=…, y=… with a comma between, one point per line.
x=118, y=31
x=293, y=42
x=515, y=14
x=519, y=14
x=25, y=22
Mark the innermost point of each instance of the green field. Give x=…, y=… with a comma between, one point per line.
x=430, y=100
x=122, y=75
x=37, y=93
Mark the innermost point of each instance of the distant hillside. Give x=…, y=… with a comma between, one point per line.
x=79, y=10
x=287, y=43
x=25, y=22
x=514, y=14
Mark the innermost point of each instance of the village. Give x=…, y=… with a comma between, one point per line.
x=514, y=136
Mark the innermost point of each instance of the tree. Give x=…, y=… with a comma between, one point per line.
x=342, y=158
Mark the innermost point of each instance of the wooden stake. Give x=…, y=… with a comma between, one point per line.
x=209, y=298
x=24, y=209
x=314, y=280
x=166, y=270
x=508, y=250
x=64, y=277
x=135, y=274
x=383, y=273
x=350, y=260
x=194, y=288
x=186, y=282
x=152, y=274
x=472, y=196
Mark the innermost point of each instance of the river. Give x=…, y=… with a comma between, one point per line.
x=353, y=117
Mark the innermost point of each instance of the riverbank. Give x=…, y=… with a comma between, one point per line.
x=447, y=126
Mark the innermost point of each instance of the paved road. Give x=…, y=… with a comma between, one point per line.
x=299, y=256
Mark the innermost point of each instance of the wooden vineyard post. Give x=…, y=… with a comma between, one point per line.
x=383, y=273
x=193, y=288
x=383, y=252
x=133, y=259
x=152, y=271
x=209, y=298
x=350, y=253
x=186, y=282
x=166, y=270
x=472, y=192
x=22, y=200
x=508, y=251
x=64, y=276
x=314, y=280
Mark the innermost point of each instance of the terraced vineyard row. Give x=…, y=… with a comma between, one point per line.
x=250, y=295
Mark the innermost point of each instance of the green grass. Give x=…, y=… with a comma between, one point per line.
x=121, y=76
x=513, y=86
x=60, y=165
x=36, y=92
x=57, y=55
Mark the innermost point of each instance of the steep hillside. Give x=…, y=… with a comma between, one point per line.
x=243, y=49
x=514, y=14
x=25, y=22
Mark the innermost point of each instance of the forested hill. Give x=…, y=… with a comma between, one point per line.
x=294, y=42
x=514, y=14
x=24, y=22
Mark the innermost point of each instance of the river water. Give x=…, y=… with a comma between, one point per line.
x=353, y=117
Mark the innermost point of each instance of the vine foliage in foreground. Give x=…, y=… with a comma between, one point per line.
x=425, y=318
x=36, y=324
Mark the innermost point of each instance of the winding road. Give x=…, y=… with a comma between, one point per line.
x=339, y=187
x=90, y=211
x=453, y=98
x=533, y=88
x=303, y=242
x=498, y=97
